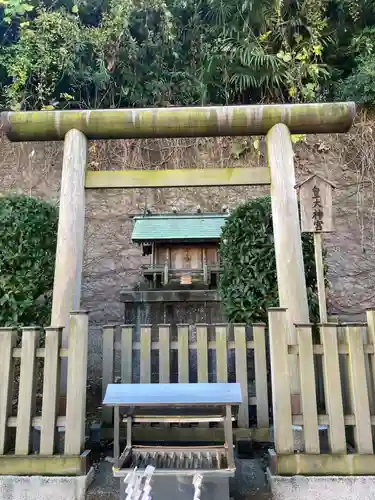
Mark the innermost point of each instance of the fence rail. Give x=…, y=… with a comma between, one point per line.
x=228, y=342
x=28, y=369
x=347, y=353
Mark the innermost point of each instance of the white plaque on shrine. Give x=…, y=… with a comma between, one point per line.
x=315, y=195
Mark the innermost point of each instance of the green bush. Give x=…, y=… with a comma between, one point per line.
x=248, y=284
x=360, y=85
x=27, y=258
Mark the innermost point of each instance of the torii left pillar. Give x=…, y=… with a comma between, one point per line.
x=70, y=237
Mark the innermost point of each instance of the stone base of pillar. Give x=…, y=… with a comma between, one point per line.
x=321, y=487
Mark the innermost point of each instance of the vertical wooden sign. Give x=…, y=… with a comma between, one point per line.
x=315, y=195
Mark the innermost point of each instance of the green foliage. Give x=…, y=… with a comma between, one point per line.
x=248, y=285
x=272, y=49
x=15, y=9
x=45, y=54
x=360, y=84
x=27, y=258
x=124, y=53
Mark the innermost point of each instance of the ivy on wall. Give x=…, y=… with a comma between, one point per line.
x=27, y=259
x=248, y=284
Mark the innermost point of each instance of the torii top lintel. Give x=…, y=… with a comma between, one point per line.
x=207, y=121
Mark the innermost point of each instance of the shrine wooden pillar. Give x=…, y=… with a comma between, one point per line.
x=70, y=236
x=287, y=238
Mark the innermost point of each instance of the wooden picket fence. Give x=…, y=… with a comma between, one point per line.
x=226, y=341
x=347, y=353
x=26, y=367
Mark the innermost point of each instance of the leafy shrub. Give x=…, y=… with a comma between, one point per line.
x=360, y=85
x=248, y=285
x=27, y=258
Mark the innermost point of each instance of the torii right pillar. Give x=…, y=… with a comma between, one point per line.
x=288, y=243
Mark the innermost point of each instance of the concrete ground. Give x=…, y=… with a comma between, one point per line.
x=249, y=483
x=104, y=486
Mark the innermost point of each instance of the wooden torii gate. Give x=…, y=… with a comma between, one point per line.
x=277, y=122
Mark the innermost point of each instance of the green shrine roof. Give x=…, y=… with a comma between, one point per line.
x=178, y=227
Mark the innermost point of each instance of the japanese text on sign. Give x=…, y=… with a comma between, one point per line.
x=315, y=195
x=318, y=213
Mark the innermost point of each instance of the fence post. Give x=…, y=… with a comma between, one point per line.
x=8, y=338
x=221, y=334
x=261, y=386
x=308, y=392
x=359, y=391
x=332, y=385
x=26, y=393
x=51, y=383
x=76, y=387
x=202, y=358
x=281, y=401
x=241, y=375
x=370, y=313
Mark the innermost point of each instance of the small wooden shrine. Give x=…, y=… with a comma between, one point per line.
x=183, y=265
x=183, y=249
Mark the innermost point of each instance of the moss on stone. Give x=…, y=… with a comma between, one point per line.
x=178, y=177
x=37, y=465
x=324, y=465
